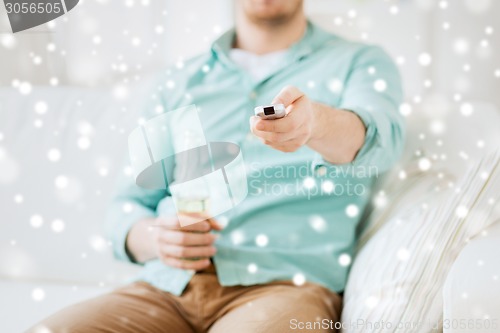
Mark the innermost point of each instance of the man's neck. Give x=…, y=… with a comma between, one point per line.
x=262, y=38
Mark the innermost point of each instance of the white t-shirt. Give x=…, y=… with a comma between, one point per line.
x=258, y=66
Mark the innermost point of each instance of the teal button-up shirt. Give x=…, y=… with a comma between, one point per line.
x=299, y=219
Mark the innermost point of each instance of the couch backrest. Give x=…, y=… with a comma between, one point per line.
x=443, y=140
x=62, y=148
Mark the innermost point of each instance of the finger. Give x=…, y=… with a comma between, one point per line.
x=202, y=226
x=186, y=264
x=172, y=223
x=210, y=222
x=253, y=121
x=282, y=125
x=287, y=147
x=186, y=238
x=288, y=95
x=275, y=137
x=177, y=251
x=167, y=222
x=214, y=224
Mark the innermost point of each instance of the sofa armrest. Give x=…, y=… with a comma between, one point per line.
x=471, y=293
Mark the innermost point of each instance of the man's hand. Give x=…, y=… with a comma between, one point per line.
x=163, y=238
x=291, y=132
x=336, y=134
x=187, y=247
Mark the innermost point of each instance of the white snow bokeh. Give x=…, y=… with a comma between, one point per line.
x=61, y=150
x=352, y=210
x=36, y=221
x=261, y=240
x=237, y=237
x=318, y=223
x=68, y=189
x=309, y=183
x=58, y=225
x=252, y=268
x=38, y=294
x=54, y=155
x=424, y=59
x=299, y=279
x=380, y=85
x=344, y=259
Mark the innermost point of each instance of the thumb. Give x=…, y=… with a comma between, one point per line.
x=214, y=224
x=288, y=95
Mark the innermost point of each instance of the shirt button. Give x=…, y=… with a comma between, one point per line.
x=253, y=95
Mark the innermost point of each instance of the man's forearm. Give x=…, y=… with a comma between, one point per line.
x=337, y=135
x=140, y=243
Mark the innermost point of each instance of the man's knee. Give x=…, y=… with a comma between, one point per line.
x=284, y=308
x=86, y=316
x=112, y=311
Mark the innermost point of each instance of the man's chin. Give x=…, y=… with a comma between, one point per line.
x=271, y=11
x=269, y=19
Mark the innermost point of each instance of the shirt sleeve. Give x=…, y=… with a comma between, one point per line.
x=373, y=91
x=131, y=203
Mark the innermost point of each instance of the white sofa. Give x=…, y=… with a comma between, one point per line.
x=60, y=149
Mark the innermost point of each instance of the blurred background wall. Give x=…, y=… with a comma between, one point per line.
x=448, y=49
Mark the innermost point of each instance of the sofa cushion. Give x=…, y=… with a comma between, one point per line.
x=397, y=277
x=424, y=212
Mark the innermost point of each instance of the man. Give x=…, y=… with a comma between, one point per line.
x=281, y=261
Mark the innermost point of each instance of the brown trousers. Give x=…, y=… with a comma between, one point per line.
x=204, y=306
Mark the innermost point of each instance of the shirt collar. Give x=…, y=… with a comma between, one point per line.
x=222, y=45
x=313, y=38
